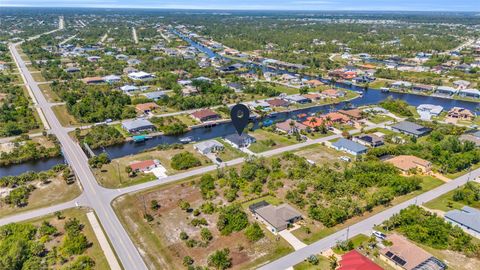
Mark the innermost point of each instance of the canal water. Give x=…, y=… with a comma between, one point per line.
x=369, y=97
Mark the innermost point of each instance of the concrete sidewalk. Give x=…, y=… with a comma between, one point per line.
x=104, y=244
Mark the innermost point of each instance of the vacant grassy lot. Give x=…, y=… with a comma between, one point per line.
x=229, y=152
x=321, y=154
x=55, y=192
x=49, y=93
x=446, y=202
x=161, y=236
x=95, y=251
x=267, y=140
x=318, y=231
x=65, y=118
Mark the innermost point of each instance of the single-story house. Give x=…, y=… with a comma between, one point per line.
x=207, y=147
x=313, y=96
x=314, y=122
x=137, y=126
x=426, y=111
x=363, y=79
x=133, y=62
x=72, y=70
x=258, y=105
x=276, y=102
x=93, y=58
x=129, y=88
x=314, y=83
x=336, y=117
x=93, y=80
x=461, y=84
x=290, y=126
x=146, y=107
x=333, y=93
x=410, y=128
x=205, y=115
x=121, y=57
x=369, y=140
x=277, y=218
x=129, y=70
x=354, y=260
x=468, y=217
x=349, y=146
x=112, y=78
x=473, y=93
x=143, y=166
x=237, y=87
x=354, y=114
x=446, y=90
x=298, y=99
x=423, y=88
x=460, y=113
x=402, y=254
x=156, y=95
x=240, y=141
x=406, y=163
x=400, y=85
x=189, y=90
x=141, y=76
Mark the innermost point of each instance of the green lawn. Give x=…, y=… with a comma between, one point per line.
x=263, y=136
x=443, y=202
x=357, y=240
x=49, y=93
x=229, y=152
x=323, y=264
x=378, y=118
x=269, y=199
x=65, y=118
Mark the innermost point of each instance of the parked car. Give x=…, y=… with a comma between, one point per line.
x=108, y=120
x=379, y=235
x=219, y=160
x=345, y=158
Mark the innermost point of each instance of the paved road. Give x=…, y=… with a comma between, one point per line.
x=366, y=225
x=126, y=250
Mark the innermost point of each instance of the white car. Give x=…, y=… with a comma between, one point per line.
x=379, y=235
x=345, y=158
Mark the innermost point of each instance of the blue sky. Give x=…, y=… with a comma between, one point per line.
x=420, y=5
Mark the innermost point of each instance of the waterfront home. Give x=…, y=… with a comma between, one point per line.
x=402, y=254
x=276, y=218
x=363, y=79
x=471, y=93
x=410, y=128
x=333, y=93
x=258, y=106
x=207, y=147
x=137, y=126
x=399, y=85
x=354, y=114
x=461, y=84
x=406, y=163
x=446, y=90
x=460, y=113
x=144, y=166
x=205, y=115
x=336, y=117
x=276, y=102
x=313, y=96
x=141, y=76
x=426, y=111
x=290, y=126
x=314, y=83
x=423, y=88
x=298, y=99
x=349, y=146
x=239, y=141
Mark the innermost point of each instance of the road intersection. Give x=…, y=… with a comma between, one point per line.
x=99, y=198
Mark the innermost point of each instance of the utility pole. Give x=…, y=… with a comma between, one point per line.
x=348, y=231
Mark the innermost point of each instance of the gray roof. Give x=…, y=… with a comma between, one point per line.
x=411, y=128
x=202, y=146
x=468, y=216
x=239, y=139
x=296, y=98
x=349, y=145
x=136, y=124
x=155, y=95
x=278, y=216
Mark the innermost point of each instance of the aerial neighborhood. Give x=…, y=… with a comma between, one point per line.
x=119, y=148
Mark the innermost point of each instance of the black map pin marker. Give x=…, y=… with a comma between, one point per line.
x=240, y=116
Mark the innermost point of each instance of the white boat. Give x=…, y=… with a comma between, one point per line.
x=385, y=89
x=186, y=139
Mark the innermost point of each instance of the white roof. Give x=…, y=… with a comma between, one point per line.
x=470, y=91
x=139, y=74
x=434, y=109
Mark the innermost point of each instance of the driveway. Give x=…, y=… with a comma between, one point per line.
x=160, y=172
x=292, y=240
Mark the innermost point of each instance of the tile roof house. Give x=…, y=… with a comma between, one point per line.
x=290, y=126
x=460, y=113
x=410, y=128
x=406, y=163
x=205, y=115
x=353, y=260
x=314, y=83
x=468, y=217
x=314, y=122
x=240, y=141
x=137, y=125
x=276, y=102
x=146, y=107
x=145, y=165
x=337, y=117
x=207, y=147
x=277, y=218
x=313, y=96
x=355, y=114
x=349, y=146
x=405, y=255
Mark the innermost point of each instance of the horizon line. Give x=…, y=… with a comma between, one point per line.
x=239, y=9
